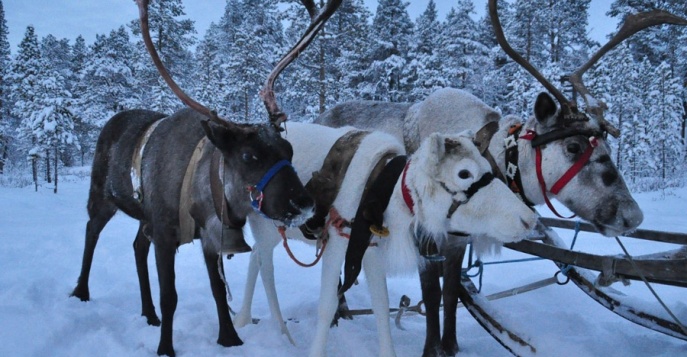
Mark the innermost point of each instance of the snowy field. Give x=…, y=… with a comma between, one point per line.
x=43, y=234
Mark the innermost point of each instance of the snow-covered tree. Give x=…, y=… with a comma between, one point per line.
x=4, y=105
x=258, y=42
x=107, y=82
x=424, y=69
x=172, y=37
x=387, y=55
x=459, y=47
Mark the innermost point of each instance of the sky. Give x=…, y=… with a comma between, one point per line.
x=71, y=18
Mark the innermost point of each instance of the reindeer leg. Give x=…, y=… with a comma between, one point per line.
x=164, y=259
x=100, y=211
x=267, y=275
x=141, y=249
x=227, y=333
x=375, y=274
x=452, y=272
x=244, y=316
x=431, y=296
x=331, y=266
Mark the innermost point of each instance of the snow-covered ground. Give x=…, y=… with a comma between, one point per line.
x=42, y=237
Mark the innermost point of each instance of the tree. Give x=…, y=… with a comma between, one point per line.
x=4, y=105
x=25, y=81
x=258, y=42
x=390, y=36
x=460, y=47
x=108, y=83
x=424, y=70
x=172, y=37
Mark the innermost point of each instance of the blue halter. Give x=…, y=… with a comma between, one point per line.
x=260, y=186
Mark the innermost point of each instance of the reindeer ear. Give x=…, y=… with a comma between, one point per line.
x=222, y=136
x=545, y=109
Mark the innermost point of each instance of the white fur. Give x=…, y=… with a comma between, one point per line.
x=493, y=211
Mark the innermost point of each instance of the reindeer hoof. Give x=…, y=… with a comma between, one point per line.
x=165, y=351
x=81, y=293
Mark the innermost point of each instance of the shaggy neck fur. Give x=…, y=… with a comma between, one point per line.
x=526, y=157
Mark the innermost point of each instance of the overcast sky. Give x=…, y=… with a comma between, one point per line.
x=70, y=18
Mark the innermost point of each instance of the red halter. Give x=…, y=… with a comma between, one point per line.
x=567, y=176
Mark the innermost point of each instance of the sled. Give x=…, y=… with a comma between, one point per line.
x=668, y=268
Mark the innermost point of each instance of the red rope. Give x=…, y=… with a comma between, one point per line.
x=335, y=220
x=282, y=231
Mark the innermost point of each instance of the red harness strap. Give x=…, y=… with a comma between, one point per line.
x=406, y=191
x=567, y=176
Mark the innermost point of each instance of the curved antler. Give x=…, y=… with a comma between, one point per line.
x=501, y=39
x=277, y=117
x=633, y=24
x=145, y=33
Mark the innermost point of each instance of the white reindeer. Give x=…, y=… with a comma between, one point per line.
x=438, y=177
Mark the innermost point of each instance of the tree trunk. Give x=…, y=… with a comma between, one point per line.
x=323, y=85
x=34, y=171
x=3, y=156
x=48, y=177
x=55, y=190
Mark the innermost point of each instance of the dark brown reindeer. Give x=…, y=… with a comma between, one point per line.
x=191, y=175
x=566, y=136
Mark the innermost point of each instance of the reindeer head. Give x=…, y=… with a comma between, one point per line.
x=256, y=156
x=454, y=191
x=572, y=159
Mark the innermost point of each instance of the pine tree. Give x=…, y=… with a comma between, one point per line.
x=387, y=54
x=460, y=48
x=668, y=110
x=172, y=37
x=108, y=83
x=424, y=70
x=4, y=104
x=24, y=82
x=258, y=42
x=350, y=31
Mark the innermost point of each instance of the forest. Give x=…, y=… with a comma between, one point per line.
x=57, y=93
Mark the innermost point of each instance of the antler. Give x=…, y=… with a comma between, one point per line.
x=277, y=117
x=632, y=25
x=145, y=33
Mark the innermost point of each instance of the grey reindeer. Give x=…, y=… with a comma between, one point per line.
x=186, y=175
x=562, y=138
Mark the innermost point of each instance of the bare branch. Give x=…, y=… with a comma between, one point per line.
x=277, y=117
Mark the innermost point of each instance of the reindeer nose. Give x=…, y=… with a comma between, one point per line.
x=304, y=202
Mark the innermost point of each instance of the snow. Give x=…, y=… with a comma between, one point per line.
x=43, y=236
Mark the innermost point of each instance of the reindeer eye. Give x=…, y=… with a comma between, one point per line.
x=464, y=174
x=573, y=148
x=248, y=157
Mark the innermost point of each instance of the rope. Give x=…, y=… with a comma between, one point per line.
x=641, y=274
x=318, y=256
x=565, y=268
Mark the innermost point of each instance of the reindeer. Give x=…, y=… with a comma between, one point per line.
x=444, y=187
x=184, y=176
x=567, y=146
